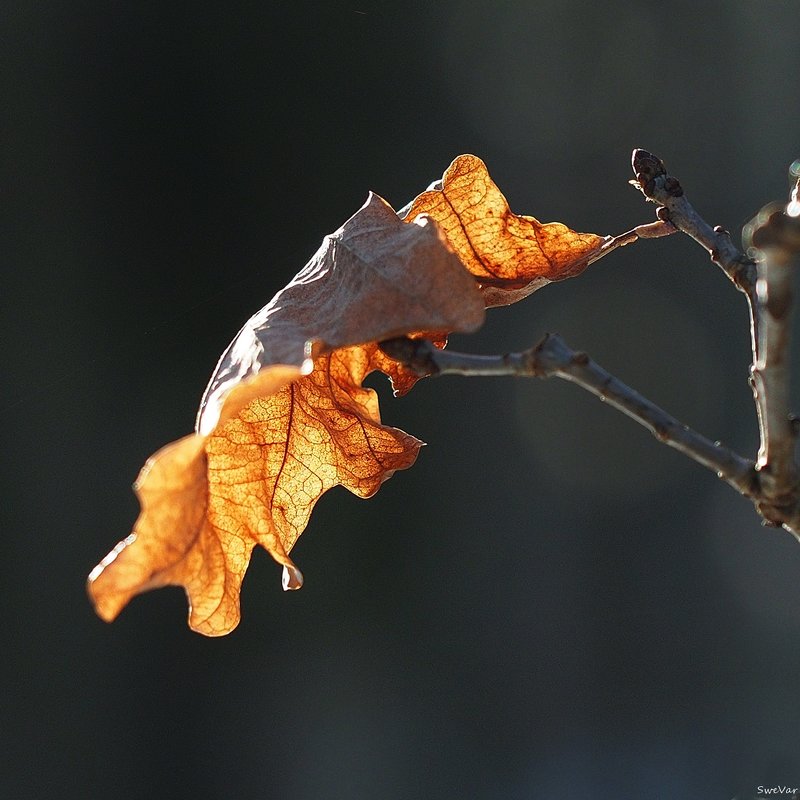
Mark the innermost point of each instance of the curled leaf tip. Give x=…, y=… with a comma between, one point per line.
x=509, y=255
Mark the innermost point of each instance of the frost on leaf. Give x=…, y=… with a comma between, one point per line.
x=510, y=255
x=285, y=418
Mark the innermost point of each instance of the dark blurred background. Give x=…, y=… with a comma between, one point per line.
x=549, y=604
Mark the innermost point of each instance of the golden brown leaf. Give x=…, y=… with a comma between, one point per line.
x=510, y=255
x=268, y=466
x=285, y=417
x=174, y=541
x=373, y=279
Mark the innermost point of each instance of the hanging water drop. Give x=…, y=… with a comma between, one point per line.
x=292, y=578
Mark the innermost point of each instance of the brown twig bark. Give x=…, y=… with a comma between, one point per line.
x=766, y=280
x=552, y=357
x=665, y=190
x=774, y=235
x=658, y=186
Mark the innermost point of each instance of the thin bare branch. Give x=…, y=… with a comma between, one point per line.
x=552, y=357
x=657, y=185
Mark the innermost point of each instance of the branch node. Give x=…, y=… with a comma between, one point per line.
x=673, y=187
x=580, y=359
x=662, y=434
x=415, y=354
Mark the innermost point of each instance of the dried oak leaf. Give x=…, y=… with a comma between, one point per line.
x=510, y=255
x=285, y=417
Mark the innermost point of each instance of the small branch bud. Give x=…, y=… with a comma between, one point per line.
x=646, y=166
x=658, y=186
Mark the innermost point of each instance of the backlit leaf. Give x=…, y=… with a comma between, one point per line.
x=510, y=255
x=285, y=418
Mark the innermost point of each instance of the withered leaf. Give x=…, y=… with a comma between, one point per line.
x=372, y=279
x=510, y=255
x=285, y=417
